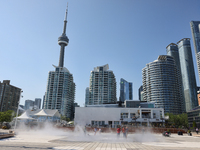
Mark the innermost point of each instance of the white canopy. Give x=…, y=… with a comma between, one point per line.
x=24, y=116
x=41, y=113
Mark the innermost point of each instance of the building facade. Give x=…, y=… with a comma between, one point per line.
x=160, y=84
x=188, y=74
x=194, y=116
x=138, y=104
x=29, y=104
x=195, y=28
x=60, y=91
x=87, y=95
x=9, y=96
x=37, y=103
x=126, y=90
x=98, y=116
x=140, y=93
x=102, y=86
x=172, y=50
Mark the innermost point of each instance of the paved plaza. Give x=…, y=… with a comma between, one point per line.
x=63, y=140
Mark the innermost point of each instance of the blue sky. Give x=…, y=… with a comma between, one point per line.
x=126, y=34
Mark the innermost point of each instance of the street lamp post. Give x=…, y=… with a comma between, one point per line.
x=17, y=110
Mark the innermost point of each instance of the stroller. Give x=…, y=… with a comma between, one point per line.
x=166, y=134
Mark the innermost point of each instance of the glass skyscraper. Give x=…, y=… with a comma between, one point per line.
x=160, y=84
x=102, y=87
x=172, y=50
x=195, y=27
x=60, y=92
x=126, y=91
x=188, y=74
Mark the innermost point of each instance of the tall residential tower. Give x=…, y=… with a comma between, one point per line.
x=9, y=96
x=60, y=92
x=188, y=75
x=160, y=84
x=195, y=27
x=172, y=50
x=102, y=86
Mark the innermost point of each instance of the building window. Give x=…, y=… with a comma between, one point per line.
x=116, y=122
x=124, y=115
x=132, y=115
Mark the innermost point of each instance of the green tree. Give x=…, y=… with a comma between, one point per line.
x=6, y=116
x=194, y=124
x=180, y=120
x=65, y=118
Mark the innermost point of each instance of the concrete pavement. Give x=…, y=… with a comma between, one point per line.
x=40, y=140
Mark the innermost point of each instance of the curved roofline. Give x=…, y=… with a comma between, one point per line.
x=183, y=40
x=171, y=44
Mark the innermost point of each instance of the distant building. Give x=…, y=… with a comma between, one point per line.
x=43, y=101
x=160, y=84
x=140, y=93
x=22, y=106
x=29, y=104
x=87, y=96
x=21, y=109
x=37, y=103
x=195, y=28
x=126, y=90
x=9, y=96
x=102, y=86
x=188, y=74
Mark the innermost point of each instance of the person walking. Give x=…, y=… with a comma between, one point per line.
x=124, y=132
x=99, y=130
x=118, y=131
x=95, y=131
x=197, y=130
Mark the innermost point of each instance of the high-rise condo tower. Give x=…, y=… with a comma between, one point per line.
x=195, y=27
x=160, y=84
x=172, y=50
x=188, y=75
x=102, y=88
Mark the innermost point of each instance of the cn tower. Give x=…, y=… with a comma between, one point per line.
x=60, y=91
x=63, y=41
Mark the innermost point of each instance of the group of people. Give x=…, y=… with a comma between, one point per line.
x=124, y=131
x=95, y=130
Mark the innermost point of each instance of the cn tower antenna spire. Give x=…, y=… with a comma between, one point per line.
x=65, y=21
x=63, y=41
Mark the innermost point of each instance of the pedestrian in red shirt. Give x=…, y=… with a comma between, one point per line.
x=118, y=131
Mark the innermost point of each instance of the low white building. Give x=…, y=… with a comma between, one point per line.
x=101, y=116
x=41, y=115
